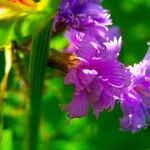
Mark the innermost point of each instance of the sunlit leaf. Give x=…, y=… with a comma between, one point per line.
x=7, y=141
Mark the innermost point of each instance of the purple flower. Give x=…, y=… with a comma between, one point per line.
x=99, y=79
x=135, y=102
x=86, y=46
x=82, y=15
x=136, y=113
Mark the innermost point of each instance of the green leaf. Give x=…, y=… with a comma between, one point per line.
x=7, y=142
x=39, y=55
x=2, y=64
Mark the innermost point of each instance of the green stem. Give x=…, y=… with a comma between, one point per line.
x=39, y=55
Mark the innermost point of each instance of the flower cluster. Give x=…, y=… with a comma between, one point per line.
x=98, y=77
x=83, y=15
x=135, y=101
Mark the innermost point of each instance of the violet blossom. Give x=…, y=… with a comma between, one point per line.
x=135, y=101
x=99, y=79
x=86, y=16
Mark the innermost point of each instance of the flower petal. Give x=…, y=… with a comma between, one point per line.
x=106, y=101
x=113, y=48
x=112, y=32
x=71, y=77
x=87, y=76
x=147, y=56
x=113, y=75
x=135, y=112
x=78, y=107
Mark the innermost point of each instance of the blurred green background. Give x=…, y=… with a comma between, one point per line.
x=57, y=132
